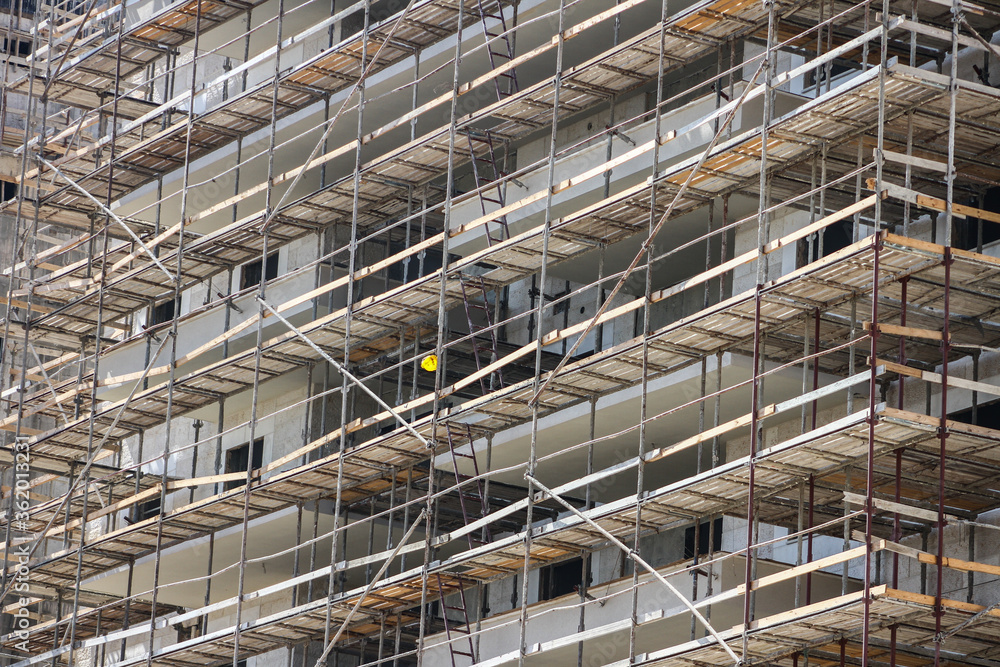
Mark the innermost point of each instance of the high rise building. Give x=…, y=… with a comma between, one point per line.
x=547, y=333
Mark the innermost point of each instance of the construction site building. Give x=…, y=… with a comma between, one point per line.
x=646, y=333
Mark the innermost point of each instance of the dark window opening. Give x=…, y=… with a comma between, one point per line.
x=186, y=632
x=706, y=531
x=965, y=231
x=239, y=458
x=834, y=237
x=411, y=265
x=9, y=191
x=251, y=273
x=147, y=510
x=562, y=579
x=17, y=47
x=26, y=8
x=819, y=74
x=985, y=414
x=163, y=312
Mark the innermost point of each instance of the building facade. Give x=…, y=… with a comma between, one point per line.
x=500, y=332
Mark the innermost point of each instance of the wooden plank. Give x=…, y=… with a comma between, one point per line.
x=927, y=558
x=17, y=303
x=967, y=6
x=926, y=420
x=146, y=495
x=816, y=394
x=49, y=252
x=819, y=564
x=708, y=434
x=36, y=373
x=816, y=608
x=896, y=508
x=59, y=529
x=927, y=376
x=914, y=161
x=152, y=243
x=930, y=602
x=959, y=564
x=24, y=429
x=301, y=451
x=751, y=255
x=906, y=332
x=53, y=287
x=938, y=33
x=791, y=573
x=935, y=203
x=461, y=384
x=918, y=245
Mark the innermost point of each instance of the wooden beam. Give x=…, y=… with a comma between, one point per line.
x=896, y=508
x=34, y=373
x=926, y=558
x=768, y=248
x=967, y=6
x=733, y=424
x=938, y=33
x=934, y=203
x=906, y=332
x=805, y=568
x=17, y=303
x=927, y=376
x=914, y=161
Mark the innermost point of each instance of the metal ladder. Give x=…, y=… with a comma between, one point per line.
x=487, y=175
x=484, y=338
x=459, y=435
x=458, y=627
x=475, y=494
x=485, y=170
x=498, y=47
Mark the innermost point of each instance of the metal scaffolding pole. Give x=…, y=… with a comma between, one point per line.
x=380, y=239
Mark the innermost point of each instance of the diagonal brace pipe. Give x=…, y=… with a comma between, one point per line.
x=639, y=561
x=343, y=371
x=110, y=214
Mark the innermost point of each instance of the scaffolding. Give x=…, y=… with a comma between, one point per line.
x=489, y=333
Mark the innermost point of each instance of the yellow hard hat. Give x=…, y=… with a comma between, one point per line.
x=429, y=363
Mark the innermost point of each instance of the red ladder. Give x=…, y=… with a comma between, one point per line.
x=460, y=627
x=487, y=175
x=478, y=491
x=499, y=47
x=483, y=337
